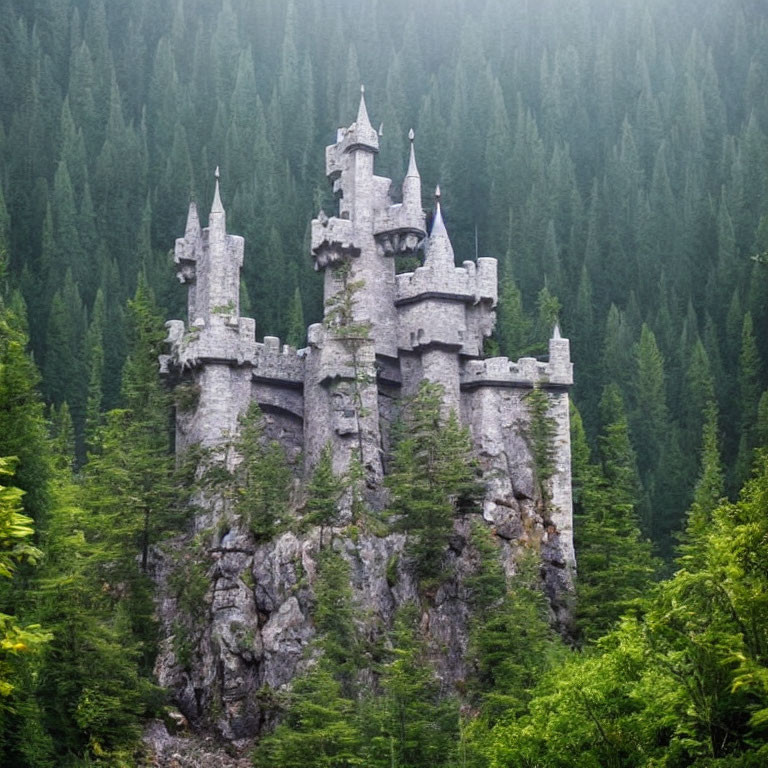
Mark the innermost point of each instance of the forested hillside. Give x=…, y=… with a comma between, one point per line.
x=612, y=154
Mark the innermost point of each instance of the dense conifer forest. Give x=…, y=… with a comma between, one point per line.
x=612, y=154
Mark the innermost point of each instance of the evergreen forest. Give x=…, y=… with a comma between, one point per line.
x=611, y=154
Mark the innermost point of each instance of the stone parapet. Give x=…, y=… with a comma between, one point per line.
x=282, y=364
x=472, y=282
x=223, y=339
x=527, y=372
x=340, y=357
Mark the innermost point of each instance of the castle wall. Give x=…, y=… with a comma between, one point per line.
x=442, y=367
x=561, y=485
x=499, y=419
x=225, y=392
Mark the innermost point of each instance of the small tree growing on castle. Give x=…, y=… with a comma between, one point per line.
x=340, y=320
x=262, y=478
x=541, y=434
x=433, y=477
x=323, y=494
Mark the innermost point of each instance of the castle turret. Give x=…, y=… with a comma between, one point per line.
x=412, y=212
x=444, y=312
x=217, y=345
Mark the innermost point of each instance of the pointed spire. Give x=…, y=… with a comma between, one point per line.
x=192, y=230
x=438, y=225
x=439, y=248
x=217, y=207
x=366, y=135
x=412, y=190
x=363, y=121
x=217, y=219
x=556, y=331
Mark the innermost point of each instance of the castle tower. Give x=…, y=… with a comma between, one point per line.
x=444, y=313
x=216, y=345
x=355, y=349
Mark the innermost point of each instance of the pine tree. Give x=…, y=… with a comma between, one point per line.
x=95, y=361
x=709, y=490
x=296, y=329
x=261, y=478
x=511, y=639
x=324, y=493
x=513, y=327
x=650, y=421
x=615, y=563
x=749, y=396
x=432, y=479
x=412, y=724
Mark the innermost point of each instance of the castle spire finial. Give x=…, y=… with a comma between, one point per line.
x=217, y=207
x=412, y=167
x=438, y=225
x=556, y=330
x=363, y=121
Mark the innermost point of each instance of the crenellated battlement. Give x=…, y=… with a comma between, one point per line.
x=527, y=372
x=277, y=363
x=471, y=283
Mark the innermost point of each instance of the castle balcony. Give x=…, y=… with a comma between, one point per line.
x=398, y=230
x=332, y=241
x=224, y=340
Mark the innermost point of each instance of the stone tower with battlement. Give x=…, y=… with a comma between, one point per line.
x=382, y=334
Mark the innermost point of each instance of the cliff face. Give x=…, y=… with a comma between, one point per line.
x=249, y=633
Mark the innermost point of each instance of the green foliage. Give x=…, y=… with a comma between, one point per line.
x=680, y=681
x=513, y=326
x=319, y=729
x=615, y=562
x=15, y=532
x=296, y=327
x=433, y=477
x=335, y=618
x=340, y=315
x=511, y=641
x=541, y=436
x=261, y=479
x=412, y=723
x=324, y=492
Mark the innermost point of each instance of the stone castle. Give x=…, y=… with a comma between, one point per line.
x=383, y=333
